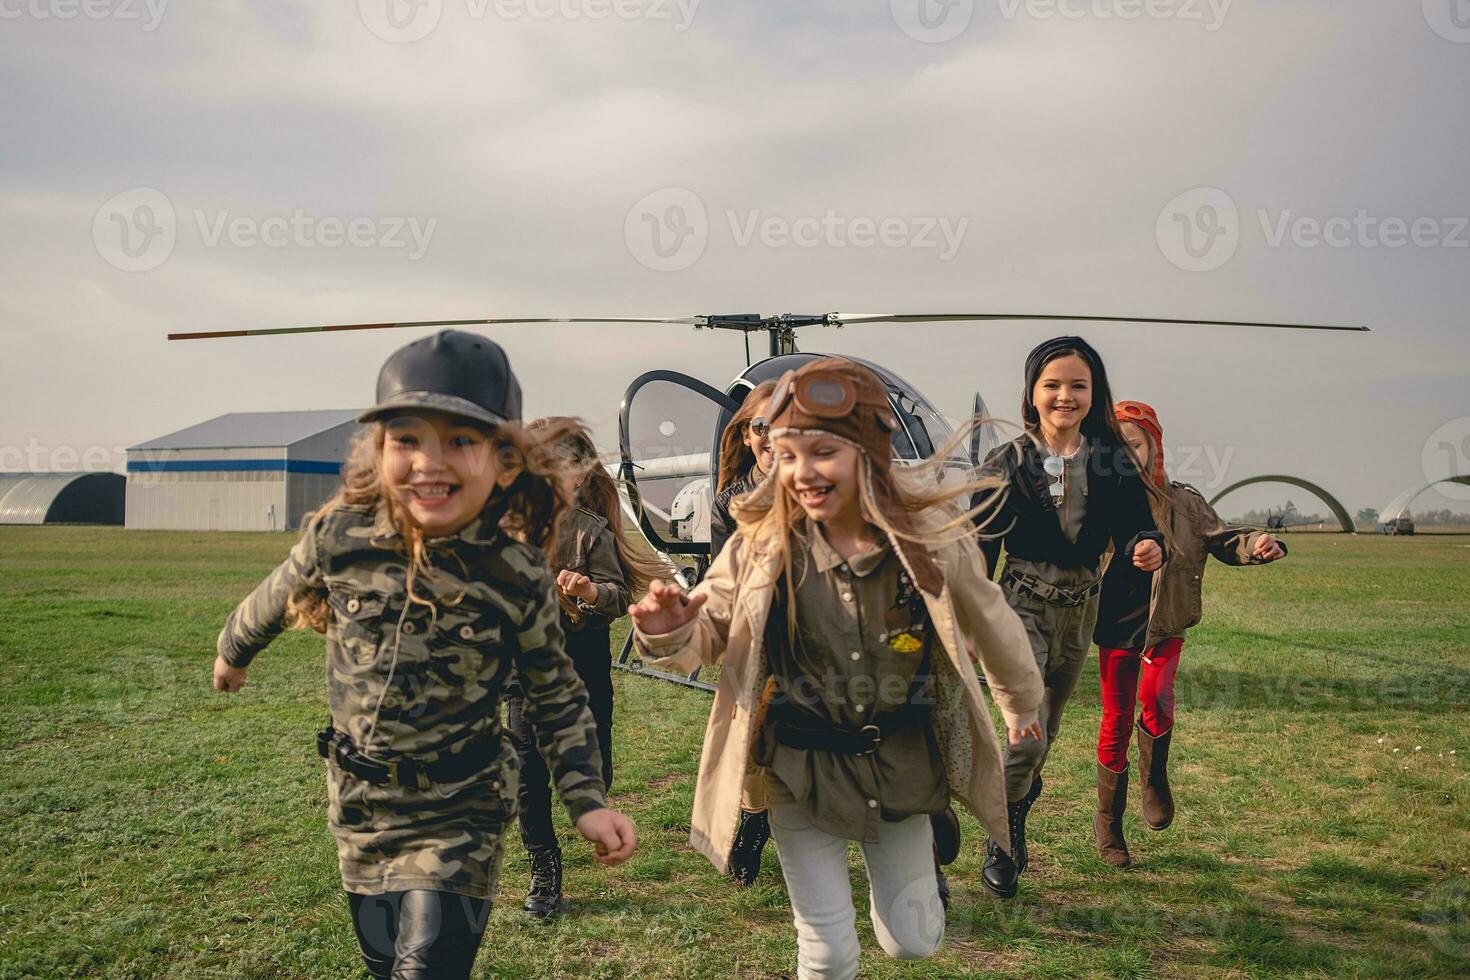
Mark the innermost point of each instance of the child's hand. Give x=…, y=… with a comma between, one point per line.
x=613, y=834
x=1148, y=556
x=576, y=585
x=226, y=678
x=1032, y=730
x=664, y=609
x=1268, y=548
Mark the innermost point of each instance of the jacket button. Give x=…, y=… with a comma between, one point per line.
x=495, y=784
x=847, y=597
x=465, y=633
x=872, y=804
x=353, y=605
x=856, y=655
x=410, y=628
x=859, y=708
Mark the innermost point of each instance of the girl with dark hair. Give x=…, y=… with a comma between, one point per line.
x=426, y=574
x=1070, y=489
x=598, y=574
x=745, y=459
x=1137, y=669
x=849, y=610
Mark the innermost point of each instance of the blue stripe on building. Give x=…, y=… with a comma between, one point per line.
x=233, y=466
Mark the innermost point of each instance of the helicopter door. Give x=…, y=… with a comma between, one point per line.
x=985, y=436
x=667, y=432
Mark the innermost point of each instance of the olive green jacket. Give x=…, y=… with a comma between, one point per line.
x=587, y=547
x=1198, y=533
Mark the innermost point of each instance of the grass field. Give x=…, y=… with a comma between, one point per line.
x=155, y=828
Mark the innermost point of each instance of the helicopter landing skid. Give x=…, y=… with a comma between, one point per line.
x=626, y=662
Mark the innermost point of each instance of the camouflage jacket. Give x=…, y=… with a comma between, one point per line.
x=587, y=548
x=419, y=678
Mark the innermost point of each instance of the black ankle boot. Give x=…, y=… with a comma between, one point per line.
x=544, y=897
x=750, y=842
x=1003, y=871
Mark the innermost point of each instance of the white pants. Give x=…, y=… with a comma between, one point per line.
x=903, y=894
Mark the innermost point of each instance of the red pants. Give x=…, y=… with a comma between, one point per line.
x=1122, y=688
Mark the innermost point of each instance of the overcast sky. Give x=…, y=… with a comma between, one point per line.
x=228, y=165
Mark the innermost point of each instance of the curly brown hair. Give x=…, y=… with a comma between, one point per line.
x=530, y=508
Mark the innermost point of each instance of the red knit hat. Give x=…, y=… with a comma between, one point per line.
x=1147, y=419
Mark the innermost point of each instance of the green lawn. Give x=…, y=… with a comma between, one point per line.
x=155, y=828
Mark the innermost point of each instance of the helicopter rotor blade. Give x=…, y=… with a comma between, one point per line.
x=690, y=321
x=842, y=319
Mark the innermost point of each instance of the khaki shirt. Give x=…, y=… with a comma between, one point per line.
x=1070, y=515
x=858, y=647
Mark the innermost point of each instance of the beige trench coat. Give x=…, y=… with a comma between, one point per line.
x=970, y=617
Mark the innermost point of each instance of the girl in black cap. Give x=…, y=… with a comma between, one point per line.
x=418, y=573
x=1071, y=489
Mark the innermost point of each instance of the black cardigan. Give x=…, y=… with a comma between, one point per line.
x=721, y=524
x=1117, y=513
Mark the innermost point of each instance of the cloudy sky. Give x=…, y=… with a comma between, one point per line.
x=228, y=165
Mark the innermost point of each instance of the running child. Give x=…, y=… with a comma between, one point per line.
x=847, y=609
x=430, y=605
x=1140, y=670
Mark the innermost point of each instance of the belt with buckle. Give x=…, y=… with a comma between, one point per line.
x=1054, y=595
x=451, y=765
x=799, y=729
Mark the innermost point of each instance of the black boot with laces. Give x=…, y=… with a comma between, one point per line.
x=544, y=897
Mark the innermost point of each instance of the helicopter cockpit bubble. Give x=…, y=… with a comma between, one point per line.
x=668, y=433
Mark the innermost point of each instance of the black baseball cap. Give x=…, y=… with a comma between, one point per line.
x=454, y=372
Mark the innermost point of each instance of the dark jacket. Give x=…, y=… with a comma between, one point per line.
x=721, y=524
x=1198, y=533
x=586, y=546
x=1117, y=514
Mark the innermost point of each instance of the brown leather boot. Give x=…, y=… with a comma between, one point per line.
x=1153, y=765
x=1107, y=822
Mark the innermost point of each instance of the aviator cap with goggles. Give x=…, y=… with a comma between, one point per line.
x=839, y=397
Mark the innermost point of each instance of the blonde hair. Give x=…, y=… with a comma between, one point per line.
x=934, y=500
x=530, y=507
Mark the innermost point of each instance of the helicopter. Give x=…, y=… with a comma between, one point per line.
x=670, y=424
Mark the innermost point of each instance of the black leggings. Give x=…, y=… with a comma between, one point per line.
x=589, y=650
x=419, y=934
